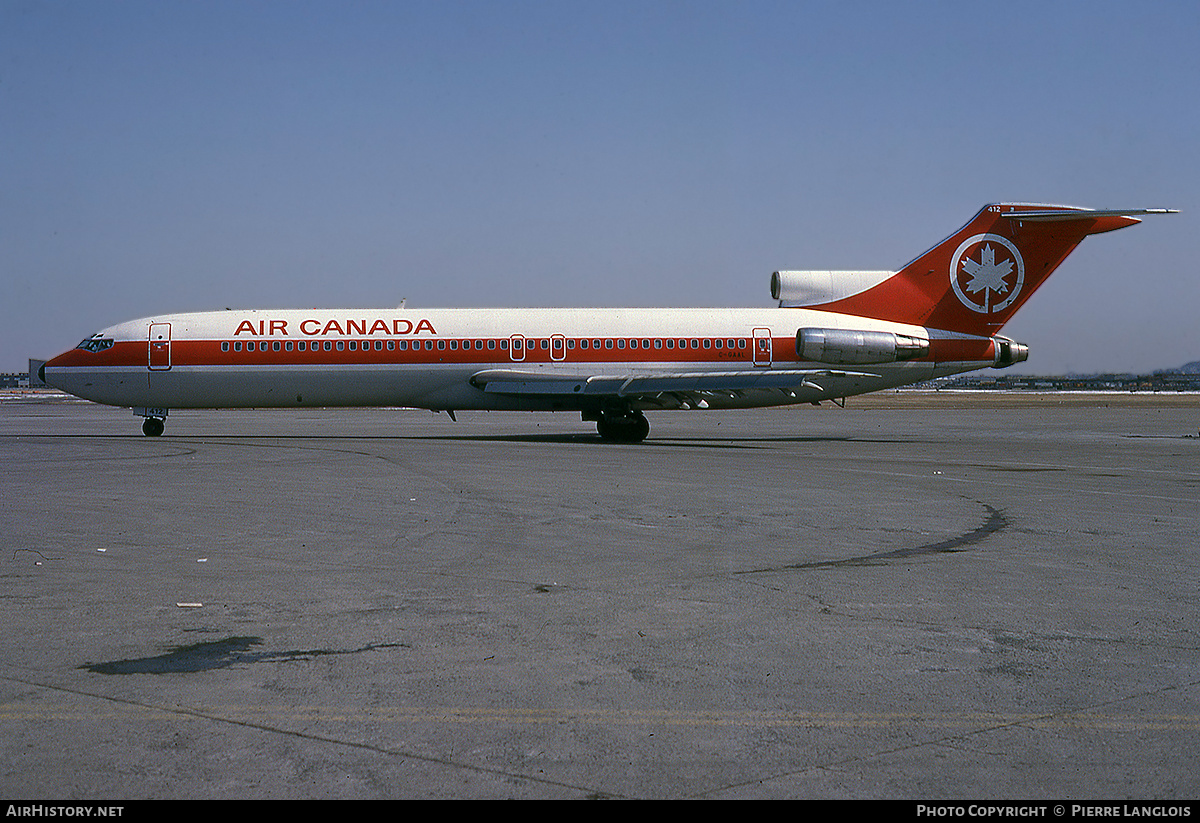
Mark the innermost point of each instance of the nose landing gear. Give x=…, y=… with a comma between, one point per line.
x=153, y=420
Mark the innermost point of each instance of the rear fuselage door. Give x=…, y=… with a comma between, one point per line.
x=160, y=346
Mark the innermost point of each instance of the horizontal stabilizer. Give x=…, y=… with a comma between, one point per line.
x=1060, y=215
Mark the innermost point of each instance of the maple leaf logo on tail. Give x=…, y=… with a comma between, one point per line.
x=987, y=274
x=993, y=272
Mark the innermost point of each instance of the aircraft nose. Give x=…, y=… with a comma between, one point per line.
x=53, y=363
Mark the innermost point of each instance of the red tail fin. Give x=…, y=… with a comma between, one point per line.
x=977, y=278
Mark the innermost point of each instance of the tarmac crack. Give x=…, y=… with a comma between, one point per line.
x=1032, y=722
x=183, y=711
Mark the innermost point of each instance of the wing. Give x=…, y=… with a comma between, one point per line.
x=663, y=388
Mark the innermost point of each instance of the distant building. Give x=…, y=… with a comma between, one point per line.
x=32, y=377
x=1158, y=382
x=23, y=380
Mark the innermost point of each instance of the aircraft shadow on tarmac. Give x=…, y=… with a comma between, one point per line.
x=576, y=438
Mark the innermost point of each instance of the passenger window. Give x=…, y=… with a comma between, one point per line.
x=353, y=345
x=225, y=346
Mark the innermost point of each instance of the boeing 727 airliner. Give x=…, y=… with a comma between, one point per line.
x=834, y=334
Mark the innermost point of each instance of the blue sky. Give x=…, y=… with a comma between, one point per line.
x=180, y=156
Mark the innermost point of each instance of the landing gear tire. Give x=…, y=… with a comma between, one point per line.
x=153, y=426
x=631, y=427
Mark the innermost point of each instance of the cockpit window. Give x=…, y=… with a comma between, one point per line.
x=95, y=344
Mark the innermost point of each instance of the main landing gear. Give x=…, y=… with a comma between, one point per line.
x=628, y=426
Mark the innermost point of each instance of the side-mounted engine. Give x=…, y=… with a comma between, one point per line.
x=846, y=347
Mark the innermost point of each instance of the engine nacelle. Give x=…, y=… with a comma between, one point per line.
x=808, y=288
x=1009, y=352
x=846, y=347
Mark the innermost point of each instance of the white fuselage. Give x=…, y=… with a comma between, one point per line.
x=427, y=358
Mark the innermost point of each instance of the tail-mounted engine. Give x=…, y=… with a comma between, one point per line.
x=1009, y=352
x=849, y=348
x=809, y=288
